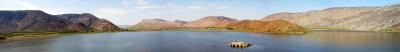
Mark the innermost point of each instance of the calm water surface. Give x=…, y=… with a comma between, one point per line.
x=176, y=41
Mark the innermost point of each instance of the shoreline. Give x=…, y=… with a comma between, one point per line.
x=47, y=35
x=21, y=36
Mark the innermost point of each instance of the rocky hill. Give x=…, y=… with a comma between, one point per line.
x=31, y=21
x=273, y=26
x=84, y=18
x=211, y=21
x=104, y=25
x=180, y=22
x=78, y=27
x=381, y=18
x=39, y=21
x=91, y=21
x=156, y=24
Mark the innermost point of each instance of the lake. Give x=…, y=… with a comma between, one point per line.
x=182, y=41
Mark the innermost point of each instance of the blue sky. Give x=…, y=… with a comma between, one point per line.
x=130, y=12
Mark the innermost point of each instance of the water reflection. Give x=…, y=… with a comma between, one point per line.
x=345, y=41
x=175, y=41
x=354, y=38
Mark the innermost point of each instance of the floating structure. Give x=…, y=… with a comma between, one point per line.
x=239, y=44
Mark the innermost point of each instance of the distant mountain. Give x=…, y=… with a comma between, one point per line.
x=276, y=26
x=211, y=21
x=39, y=21
x=156, y=24
x=273, y=26
x=180, y=22
x=382, y=18
x=208, y=21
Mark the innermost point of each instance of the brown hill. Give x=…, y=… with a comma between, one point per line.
x=155, y=24
x=273, y=26
x=78, y=27
x=180, y=22
x=91, y=21
x=31, y=21
x=104, y=25
x=379, y=18
x=211, y=21
x=39, y=21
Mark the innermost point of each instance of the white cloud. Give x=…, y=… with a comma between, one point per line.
x=23, y=5
x=125, y=3
x=217, y=6
x=147, y=4
x=17, y=5
x=142, y=2
x=113, y=11
x=129, y=3
x=194, y=7
x=148, y=7
x=133, y=11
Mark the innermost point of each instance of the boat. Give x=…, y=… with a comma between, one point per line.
x=239, y=44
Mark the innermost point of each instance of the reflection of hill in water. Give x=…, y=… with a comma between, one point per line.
x=342, y=37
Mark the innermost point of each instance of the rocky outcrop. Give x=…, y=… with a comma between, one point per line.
x=379, y=18
x=91, y=21
x=84, y=18
x=155, y=24
x=273, y=26
x=78, y=27
x=104, y=25
x=39, y=21
x=395, y=28
x=211, y=21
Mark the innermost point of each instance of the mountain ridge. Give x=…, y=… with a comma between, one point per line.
x=37, y=21
x=377, y=18
x=211, y=21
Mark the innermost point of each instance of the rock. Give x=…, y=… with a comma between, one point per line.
x=211, y=21
x=180, y=22
x=346, y=18
x=104, y=25
x=155, y=24
x=84, y=18
x=273, y=26
x=91, y=21
x=78, y=27
x=395, y=28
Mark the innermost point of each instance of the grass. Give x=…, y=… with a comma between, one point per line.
x=43, y=35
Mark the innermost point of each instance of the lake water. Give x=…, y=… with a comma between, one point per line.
x=180, y=41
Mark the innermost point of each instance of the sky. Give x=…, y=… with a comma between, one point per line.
x=130, y=12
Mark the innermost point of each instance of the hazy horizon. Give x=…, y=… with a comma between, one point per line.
x=129, y=12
